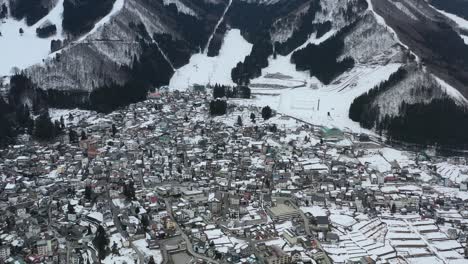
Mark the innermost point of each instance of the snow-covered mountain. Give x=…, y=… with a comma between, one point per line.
x=288, y=47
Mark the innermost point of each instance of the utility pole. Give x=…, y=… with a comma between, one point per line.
x=318, y=105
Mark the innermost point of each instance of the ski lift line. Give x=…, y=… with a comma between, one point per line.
x=205, y=51
x=164, y=55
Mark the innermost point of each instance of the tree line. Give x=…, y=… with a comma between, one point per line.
x=33, y=11
x=79, y=17
x=442, y=121
x=322, y=60
x=220, y=91
x=361, y=109
x=16, y=116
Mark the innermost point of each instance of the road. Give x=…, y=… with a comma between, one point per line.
x=185, y=237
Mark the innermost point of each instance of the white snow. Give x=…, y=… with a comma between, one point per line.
x=213, y=70
x=118, y=5
x=181, y=7
x=142, y=246
x=313, y=105
x=405, y=10
x=342, y=220
x=24, y=50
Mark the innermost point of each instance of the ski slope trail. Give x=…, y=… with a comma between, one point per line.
x=217, y=26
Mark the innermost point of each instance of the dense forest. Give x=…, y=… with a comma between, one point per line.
x=457, y=7
x=16, y=116
x=3, y=11
x=79, y=17
x=217, y=41
x=151, y=70
x=194, y=30
x=218, y=107
x=255, y=22
x=442, y=121
x=178, y=51
x=220, y=91
x=361, y=109
x=322, y=60
x=253, y=64
x=33, y=11
x=46, y=31
x=306, y=27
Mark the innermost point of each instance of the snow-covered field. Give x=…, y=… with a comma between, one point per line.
x=213, y=70
x=23, y=50
x=327, y=105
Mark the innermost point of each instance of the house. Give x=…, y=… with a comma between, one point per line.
x=282, y=212
x=323, y=224
x=272, y=255
x=4, y=253
x=44, y=247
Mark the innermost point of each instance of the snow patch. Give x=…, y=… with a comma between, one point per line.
x=24, y=50
x=213, y=70
x=181, y=7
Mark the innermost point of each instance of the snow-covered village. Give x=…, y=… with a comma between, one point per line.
x=233, y=131
x=173, y=180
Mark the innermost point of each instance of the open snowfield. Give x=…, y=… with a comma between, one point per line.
x=213, y=70
x=314, y=105
x=27, y=49
x=24, y=50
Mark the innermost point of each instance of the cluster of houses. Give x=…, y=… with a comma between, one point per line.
x=168, y=182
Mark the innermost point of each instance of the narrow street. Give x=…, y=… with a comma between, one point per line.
x=185, y=237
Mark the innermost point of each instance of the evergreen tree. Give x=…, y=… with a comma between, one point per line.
x=114, y=130
x=100, y=242
x=88, y=193
x=83, y=135
x=71, y=208
x=267, y=112
x=252, y=117
x=115, y=249
x=62, y=122
x=239, y=121
x=44, y=128
x=72, y=135
x=151, y=260
x=219, y=91
x=218, y=107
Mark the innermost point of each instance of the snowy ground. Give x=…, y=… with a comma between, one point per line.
x=213, y=70
x=27, y=49
x=78, y=115
x=327, y=105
